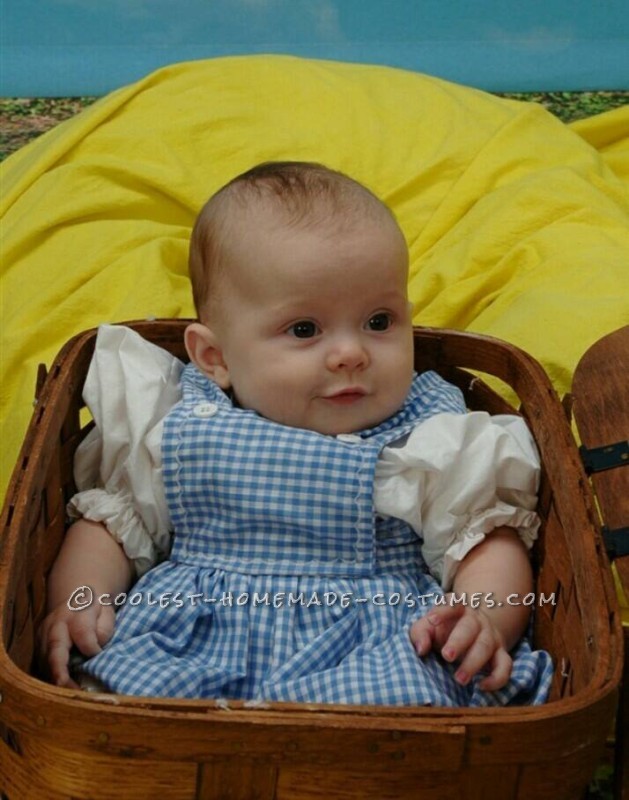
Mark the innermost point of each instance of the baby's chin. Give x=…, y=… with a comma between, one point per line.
x=327, y=419
x=337, y=426
x=324, y=427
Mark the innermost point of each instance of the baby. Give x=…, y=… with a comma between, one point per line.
x=316, y=489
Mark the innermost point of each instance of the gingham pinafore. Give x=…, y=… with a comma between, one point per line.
x=282, y=583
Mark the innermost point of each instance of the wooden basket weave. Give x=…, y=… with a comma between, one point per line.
x=61, y=743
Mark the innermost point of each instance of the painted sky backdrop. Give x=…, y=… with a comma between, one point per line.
x=92, y=46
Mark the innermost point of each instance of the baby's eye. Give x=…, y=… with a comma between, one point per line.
x=380, y=322
x=304, y=329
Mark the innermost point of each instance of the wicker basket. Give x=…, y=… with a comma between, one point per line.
x=60, y=743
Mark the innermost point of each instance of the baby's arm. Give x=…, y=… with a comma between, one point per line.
x=482, y=637
x=89, y=557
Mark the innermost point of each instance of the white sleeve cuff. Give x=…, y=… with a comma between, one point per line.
x=117, y=514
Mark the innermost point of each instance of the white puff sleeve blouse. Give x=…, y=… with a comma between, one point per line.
x=454, y=479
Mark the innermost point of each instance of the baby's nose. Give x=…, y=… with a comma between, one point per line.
x=347, y=352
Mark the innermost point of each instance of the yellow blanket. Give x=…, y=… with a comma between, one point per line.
x=518, y=226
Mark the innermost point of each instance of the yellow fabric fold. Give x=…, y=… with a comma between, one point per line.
x=609, y=134
x=517, y=225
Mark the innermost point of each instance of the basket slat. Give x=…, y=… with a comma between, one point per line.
x=17, y=780
x=600, y=404
x=115, y=778
x=256, y=780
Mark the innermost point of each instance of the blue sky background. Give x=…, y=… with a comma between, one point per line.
x=92, y=46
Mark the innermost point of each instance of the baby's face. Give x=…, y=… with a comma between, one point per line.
x=316, y=330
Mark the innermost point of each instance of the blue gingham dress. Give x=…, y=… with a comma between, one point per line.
x=283, y=583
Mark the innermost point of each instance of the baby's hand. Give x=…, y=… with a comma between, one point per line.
x=465, y=634
x=88, y=629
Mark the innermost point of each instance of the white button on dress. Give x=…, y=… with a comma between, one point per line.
x=205, y=410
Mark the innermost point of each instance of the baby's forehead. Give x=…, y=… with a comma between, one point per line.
x=312, y=217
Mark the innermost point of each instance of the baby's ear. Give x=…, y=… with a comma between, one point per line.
x=205, y=352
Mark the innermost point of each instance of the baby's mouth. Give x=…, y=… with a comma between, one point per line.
x=347, y=396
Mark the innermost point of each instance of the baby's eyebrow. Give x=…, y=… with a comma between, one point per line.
x=292, y=308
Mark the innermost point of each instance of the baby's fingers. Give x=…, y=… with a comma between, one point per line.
x=502, y=665
x=85, y=638
x=422, y=636
x=462, y=631
x=432, y=631
x=105, y=626
x=475, y=651
x=57, y=655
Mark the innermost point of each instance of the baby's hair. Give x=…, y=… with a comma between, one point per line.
x=305, y=192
